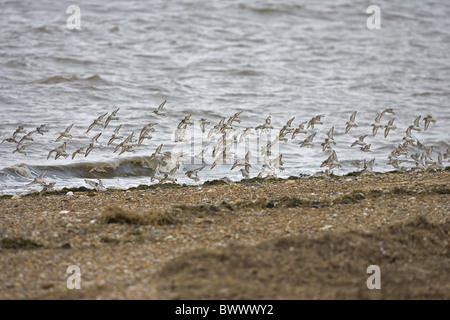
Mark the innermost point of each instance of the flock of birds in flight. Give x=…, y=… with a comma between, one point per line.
x=227, y=136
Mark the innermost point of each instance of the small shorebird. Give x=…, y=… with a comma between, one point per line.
x=40, y=180
x=266, y=170
x=60, y=151
x=78, y=151
x=115, y=135
x=47, y=187
x=66, y=133
x=111, y=117
x=308, y=141
x=234, y=118
x=388, y=110
x=300, y=129
x=357, y=164
x=242, y=161
x=168, y=178
x=328, y=141
x=447, y=153
x=144, y=135
x=428, y=119
x=21, y=149
x=332, y=161
x=389, y=126
x=96, y=185
x=27, y=137
x=377, y=125
x=267, y=125
x=216, y=128
x=97, y=122
x=20, y=129
x=10, y=140
x=92, y=146
x=157, y=153
x=158, y=111
x=184, y=122
x=245, y=173
x=415, y=127
x=203, y=122
x=193, y=174
x=315, y=120
x=350, y=124
x=98, y=169
x=366, y=148
x=285, y=131
x=41, y=129
x=246, y=132
x=360, y=141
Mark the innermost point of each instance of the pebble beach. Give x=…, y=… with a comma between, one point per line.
x=128, y=243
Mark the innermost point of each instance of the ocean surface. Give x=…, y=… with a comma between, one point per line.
x=212, y=59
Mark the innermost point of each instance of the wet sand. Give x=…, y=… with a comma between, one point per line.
x=303, y=238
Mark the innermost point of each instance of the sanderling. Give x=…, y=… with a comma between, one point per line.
x=246, y=132
x=300, y=129
x=97, y=168
x=184, y=122
x=377, y=125
x=245, y=173
x=157, y=153
x=193, y=174
x=41, y=129
x=389, y=126
x=60, y=151
x=266, y=170
x=428, y=119
x=97, y=122
x=158, y=111
x=115, y=135
x=20, y=129
x=96, y=185
x=308, y=141
x=26, y=137
x=267, y=125
x=40, y=180
x=360, y=141
x=357, y=164
x=415, y=127
x=242, y=161
x=47, y=188
x=447, y=153
x=10, y=140
x=111, y=117
x=216, y=128
x=143, y=135
x=78, y=151
x=65, y=134
x=314, y=121
x=234, y=118
x=332, y=161
x=388, y=110
x=350, y=124
x=92, y=146
x=366, y=148
x=203, y=122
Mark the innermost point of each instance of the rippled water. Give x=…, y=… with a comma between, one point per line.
x=212, y=59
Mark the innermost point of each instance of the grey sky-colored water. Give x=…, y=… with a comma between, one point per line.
x=212, y=59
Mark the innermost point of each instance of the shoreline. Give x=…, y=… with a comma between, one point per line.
x=129, y=242
x=222, y=181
